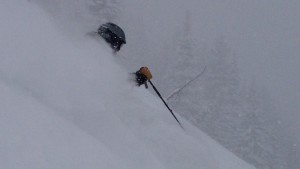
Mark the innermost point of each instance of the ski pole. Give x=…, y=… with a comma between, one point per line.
x=165, y=103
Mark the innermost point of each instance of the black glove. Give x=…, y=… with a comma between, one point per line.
x=140, y=79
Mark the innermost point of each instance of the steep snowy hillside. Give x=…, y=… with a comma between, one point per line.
x=66, y=103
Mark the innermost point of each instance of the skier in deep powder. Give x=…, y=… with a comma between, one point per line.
x=142, y=76
x=113, y=35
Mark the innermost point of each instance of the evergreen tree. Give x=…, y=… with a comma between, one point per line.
x=185, y=61
x=260, y=142
x=220, y=90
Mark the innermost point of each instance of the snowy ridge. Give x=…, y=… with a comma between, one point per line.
x=68, y=104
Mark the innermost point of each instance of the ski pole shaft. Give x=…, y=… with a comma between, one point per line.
x=165, y=103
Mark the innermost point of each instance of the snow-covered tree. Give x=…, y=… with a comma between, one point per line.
x=260, y=142
x=185, y=62
x=253, y=146
x=220, y=90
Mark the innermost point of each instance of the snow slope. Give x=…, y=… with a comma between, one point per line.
x=66, y=102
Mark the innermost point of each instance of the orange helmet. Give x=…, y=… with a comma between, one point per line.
x=145, y=71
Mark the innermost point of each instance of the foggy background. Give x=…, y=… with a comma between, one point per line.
x=263, y=35
x=258, y=41
x=266, y=38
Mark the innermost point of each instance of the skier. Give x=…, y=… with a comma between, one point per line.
x=113, y=35
x=142, y=76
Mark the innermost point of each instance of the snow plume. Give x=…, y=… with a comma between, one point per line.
x=66, y=103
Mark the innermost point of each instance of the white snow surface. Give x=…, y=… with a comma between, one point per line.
x=66, y=103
